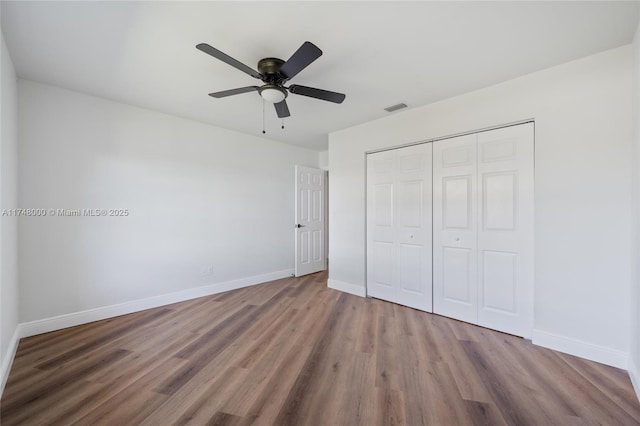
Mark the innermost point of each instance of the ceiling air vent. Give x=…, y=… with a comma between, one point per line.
x=395, y=107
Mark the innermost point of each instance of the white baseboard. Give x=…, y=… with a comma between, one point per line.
x=7, y=358
x=347, y=287
x=634, y=375
x=83, y=317
x=601, y=354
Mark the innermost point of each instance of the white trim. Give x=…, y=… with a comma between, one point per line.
x=634, y=375
x=454, y=135
x=7, y=360
x=601, y=354
x=358, y=290
x=83, y=317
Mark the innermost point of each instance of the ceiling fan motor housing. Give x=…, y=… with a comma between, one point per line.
x=270, y=70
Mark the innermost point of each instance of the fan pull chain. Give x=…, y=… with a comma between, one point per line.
x=263, y=131
x=283, y=123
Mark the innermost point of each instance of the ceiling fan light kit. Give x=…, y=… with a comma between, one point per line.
x=273, y=94
x=274, y=73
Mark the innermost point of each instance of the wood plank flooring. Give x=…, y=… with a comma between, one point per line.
x=294, y=352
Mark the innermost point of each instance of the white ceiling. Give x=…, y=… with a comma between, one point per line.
x=378, y=53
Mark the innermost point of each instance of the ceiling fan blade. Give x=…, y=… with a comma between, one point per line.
x=225, y=93
x=227, y=59
x=282, y=109
x=301, y=59
x=312, y=92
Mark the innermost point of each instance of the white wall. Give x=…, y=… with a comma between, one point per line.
x=582, y=112
x=197, y=196
x=323, y=160
x=634, y=361
x=8, y=224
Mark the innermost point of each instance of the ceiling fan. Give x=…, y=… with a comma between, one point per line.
x=274, y=73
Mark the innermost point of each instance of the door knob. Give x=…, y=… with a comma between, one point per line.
x=299, y=226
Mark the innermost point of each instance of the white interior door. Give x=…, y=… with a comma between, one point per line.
x=310, y=220
x=505, y=234
x=455, y=228
x=399, y=226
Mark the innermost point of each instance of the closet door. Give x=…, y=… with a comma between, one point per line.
x=413, y=232
x=505, y=235
x=399, y=226
x=455, y=228
x=381, y=225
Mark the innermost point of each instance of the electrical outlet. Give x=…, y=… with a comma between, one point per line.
x=206, y=270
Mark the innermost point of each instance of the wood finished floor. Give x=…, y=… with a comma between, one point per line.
x=294, y=352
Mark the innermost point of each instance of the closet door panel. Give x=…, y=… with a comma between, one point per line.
x=413, y=207
x=499, y=279
x=455, y=228
x=399, y=226
x=381, y=225
x=456, y=275
x=505, y=237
